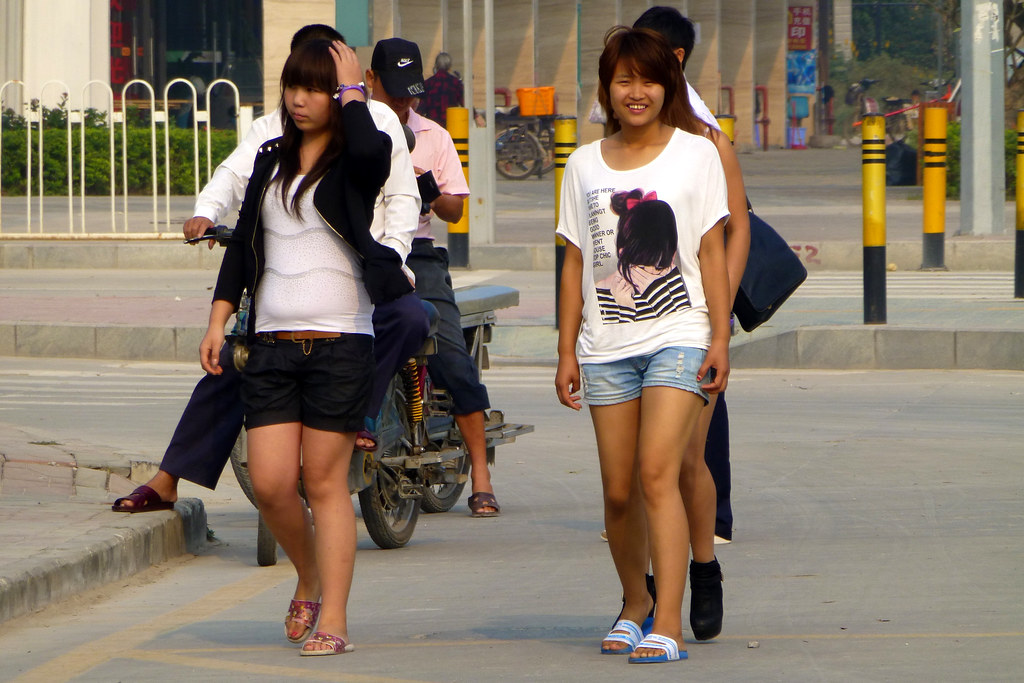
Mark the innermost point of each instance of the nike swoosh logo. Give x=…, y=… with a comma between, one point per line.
x=403, y=62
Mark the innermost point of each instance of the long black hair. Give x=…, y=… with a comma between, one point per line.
x=309, y=65
x=646, y=232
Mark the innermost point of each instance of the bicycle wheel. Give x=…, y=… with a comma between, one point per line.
x=546, y=137
x=266, y=544
x=517, y=153
x=240, y=466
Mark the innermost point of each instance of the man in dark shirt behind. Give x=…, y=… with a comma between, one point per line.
x=443, y=90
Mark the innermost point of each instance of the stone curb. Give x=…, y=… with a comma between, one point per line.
x=960, y=254
x=883, y=348
x=837, y=347
x=113, y=551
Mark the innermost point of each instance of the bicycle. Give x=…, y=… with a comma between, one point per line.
x=524, y=145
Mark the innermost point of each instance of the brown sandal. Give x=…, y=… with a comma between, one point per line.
x=142, y=499
x=479, y=501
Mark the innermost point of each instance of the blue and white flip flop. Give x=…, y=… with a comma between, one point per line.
x=624, y=631
x=669, y=648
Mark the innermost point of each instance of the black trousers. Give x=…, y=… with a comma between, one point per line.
x=716, y=455
x=452, y=368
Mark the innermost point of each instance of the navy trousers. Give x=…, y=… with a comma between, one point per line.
x=452, y=368
x=399, y=329
x=209, y=426
x=716, y=455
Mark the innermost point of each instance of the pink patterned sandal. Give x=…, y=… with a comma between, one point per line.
x=335, y=645
x=305, y=612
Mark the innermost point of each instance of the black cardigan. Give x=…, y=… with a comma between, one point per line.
x=345, y=199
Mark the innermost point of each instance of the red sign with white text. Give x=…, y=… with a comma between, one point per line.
x=121, y=70
x=799, y=32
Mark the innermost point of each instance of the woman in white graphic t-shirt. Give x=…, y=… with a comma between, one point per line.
x=644, y=320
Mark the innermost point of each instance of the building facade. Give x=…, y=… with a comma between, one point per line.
x=738, y=65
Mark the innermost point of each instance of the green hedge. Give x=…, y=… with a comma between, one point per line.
x=953, y=161
x=97, y=160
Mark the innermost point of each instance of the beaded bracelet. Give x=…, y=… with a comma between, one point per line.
x=342, y=88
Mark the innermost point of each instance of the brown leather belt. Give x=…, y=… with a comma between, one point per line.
x=304, y=335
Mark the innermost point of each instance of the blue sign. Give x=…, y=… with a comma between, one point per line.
x=801, y=71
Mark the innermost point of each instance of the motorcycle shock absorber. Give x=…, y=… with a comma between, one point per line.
x=413, y=390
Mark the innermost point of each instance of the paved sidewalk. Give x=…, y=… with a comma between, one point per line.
x=131, y=301
x=812, y=197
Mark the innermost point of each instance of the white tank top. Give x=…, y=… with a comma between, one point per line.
x=312, y=280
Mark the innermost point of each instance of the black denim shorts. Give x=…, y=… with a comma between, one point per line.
x=324, y=384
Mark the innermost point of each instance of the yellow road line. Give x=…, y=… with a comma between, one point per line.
x=876, y=636
x=294, y=670
x=405, y=645
x=93, y=653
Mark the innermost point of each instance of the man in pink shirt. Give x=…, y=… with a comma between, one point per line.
x=396, y=79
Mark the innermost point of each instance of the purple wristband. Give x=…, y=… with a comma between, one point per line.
x=342, y=88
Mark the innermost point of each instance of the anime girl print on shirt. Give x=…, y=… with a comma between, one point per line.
x=638, y=278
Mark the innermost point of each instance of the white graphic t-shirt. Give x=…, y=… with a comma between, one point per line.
x=639, y=232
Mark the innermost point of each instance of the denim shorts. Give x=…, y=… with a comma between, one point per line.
x=619, y=381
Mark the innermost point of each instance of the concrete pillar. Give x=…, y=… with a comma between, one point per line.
x=770, y=65
x=597, y=19
x=703, y=70
x=281, y=19
x=842, y=27
x=982, y=175
x=737, y=65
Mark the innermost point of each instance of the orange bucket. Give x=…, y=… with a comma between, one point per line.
x=536, y=101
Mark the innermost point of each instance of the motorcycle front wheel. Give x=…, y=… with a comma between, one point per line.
x=390, y=519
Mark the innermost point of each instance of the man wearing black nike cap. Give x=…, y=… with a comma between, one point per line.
x=398, y=65
x=396, y=78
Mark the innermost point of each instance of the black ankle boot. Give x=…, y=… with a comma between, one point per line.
x=706, y=599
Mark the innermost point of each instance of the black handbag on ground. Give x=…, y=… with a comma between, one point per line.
x=774, y=271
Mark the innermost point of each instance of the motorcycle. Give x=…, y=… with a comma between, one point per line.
x=421, y=462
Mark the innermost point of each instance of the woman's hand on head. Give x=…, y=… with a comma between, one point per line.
x=346, y=63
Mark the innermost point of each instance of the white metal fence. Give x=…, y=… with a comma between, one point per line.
x=31, y=216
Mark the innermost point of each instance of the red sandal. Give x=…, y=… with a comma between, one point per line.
x=335, y=645
x=305, y=612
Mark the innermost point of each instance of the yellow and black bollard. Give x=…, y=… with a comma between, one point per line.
x=727, y=123
x=565, y=143
x=1018, y=261
x=934, y=176
x=873, y=174
x=458, y=233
